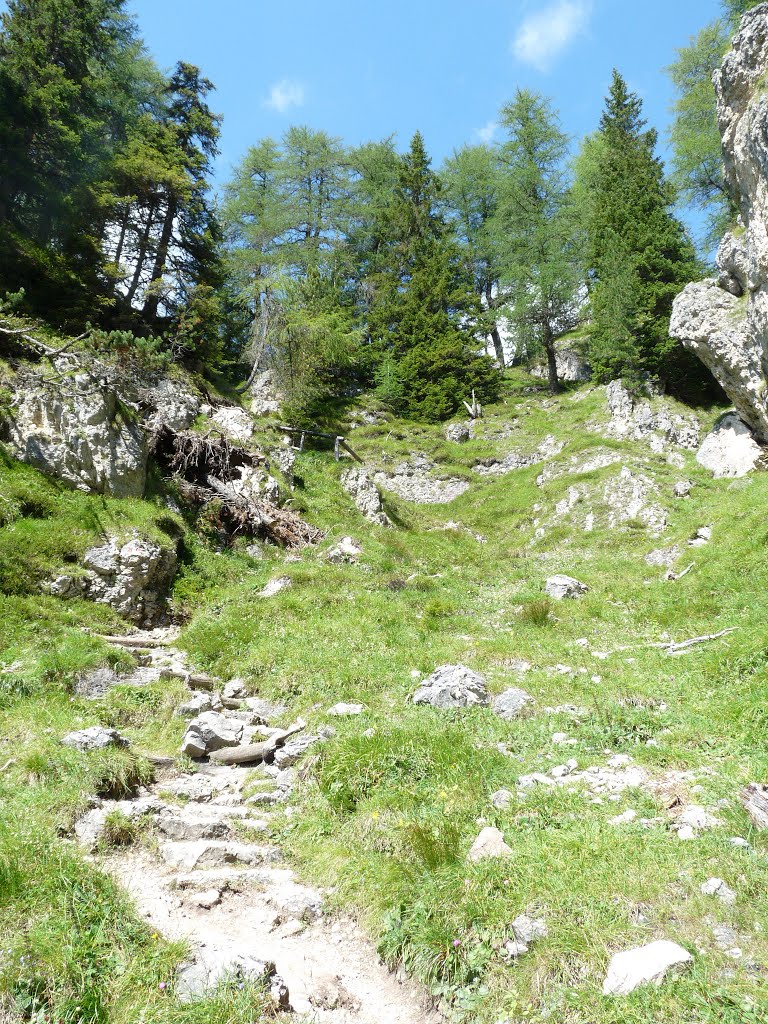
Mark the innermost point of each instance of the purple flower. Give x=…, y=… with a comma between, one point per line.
x=456, y=943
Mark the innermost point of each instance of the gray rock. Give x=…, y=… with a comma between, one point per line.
x=235, y=689
x=266, y=710
x=453, y=686
x=266, y=396
x=204, y=853
x=489, y=845
x=275, y=586
x=415, y=481
x=730, y=450
x=548, y=449
x=97, y=737
x=365, y=494
x=529, y=929
x=342, y=710
x=295, y=749
x=682, y=488
x=645, y=965
x=458, y=432
x=132, y=577
x=717, y=887
x=663, y=557
x=77, y=432
x=502, y=798
x=572, y=367
x=724, y=321
x=652, y=421
x=561, y=587
x=512, y=703
x=173, y=406
x=233, y=421
x=211, y=731
x=198, y=705
x=345, y=551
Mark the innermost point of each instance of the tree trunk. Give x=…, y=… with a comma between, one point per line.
x=498, y=346
x=161, y=258
x=549, y=347
x=141, y=257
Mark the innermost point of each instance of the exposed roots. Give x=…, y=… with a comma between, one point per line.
x=203, y=466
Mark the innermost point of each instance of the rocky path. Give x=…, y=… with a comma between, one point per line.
x=218, y=882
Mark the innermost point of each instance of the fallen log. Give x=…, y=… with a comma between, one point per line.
x=754, y=797
x=195, y=680
x=252, y=753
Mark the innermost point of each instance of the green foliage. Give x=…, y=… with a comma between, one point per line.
x=534, y=228
x=636, y=251
x=128, y=349
x=697, y=156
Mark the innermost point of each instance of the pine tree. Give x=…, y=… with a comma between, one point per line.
x=425, y=304
x=626, y=208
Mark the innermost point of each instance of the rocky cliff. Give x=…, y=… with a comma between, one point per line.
x=724, y=320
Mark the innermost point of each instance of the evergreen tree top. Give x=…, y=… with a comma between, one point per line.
x=623, y=109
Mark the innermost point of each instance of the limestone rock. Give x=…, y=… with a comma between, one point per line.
x=342, y=710
x=458, y=432
x=211, y=731
x=416, y=481
x=639, y=420
x=204, y=853
x=198, y=705
x=132, y=577
x=548, y=449
x=275, y=586
x=488, y=845
x=725, y=321
x=682, y=488
x=97, y=737
x=529, y=929
x=512, y=703
x=644, y=965
x=502, y=798
x=365, y=494
x=560, y=587
x=235, y=422
x=345, y=551
x=730, y=450
x=717, y=887
x=79, y=432
x=572, y=367
x=453, y=686
x=266, y=396
x=173, y=406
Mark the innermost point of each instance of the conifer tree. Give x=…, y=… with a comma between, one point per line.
x=425, y=310
x=626, y=207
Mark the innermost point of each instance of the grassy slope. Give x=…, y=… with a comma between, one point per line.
x=387, y=819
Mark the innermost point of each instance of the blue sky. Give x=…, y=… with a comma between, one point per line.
x=363, y=70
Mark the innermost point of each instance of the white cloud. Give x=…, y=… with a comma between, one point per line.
x=544, y=35
x=285, y=94
x=487, y=132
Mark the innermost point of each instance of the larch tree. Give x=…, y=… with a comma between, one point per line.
x=472, y=180
x=534, y=228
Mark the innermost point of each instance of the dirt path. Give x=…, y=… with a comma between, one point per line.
x=217, y=882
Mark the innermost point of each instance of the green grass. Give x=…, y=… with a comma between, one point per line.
x=397, y=796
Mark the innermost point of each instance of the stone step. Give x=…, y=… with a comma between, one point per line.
x=203, y=853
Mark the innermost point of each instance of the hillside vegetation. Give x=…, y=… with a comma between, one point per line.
x=393, y=801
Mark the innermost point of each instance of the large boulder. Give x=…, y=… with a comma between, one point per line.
x=80, y=430
x=730, y=450
x=132, y=576
x=724, y=320
x=653, y=421
x=572, y=366
x=453, y=686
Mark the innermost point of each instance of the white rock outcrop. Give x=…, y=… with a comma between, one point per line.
x=365, y=494
x=79, y=431
x=730, y=449
x=724, y=321
x=130, y=576
x=561, y=587
x=640, y=419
